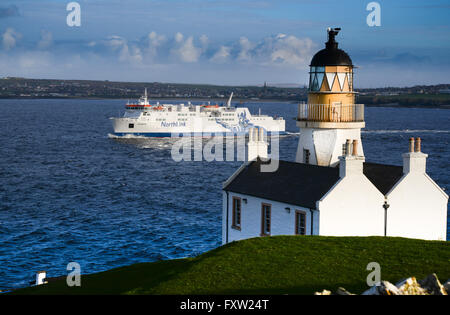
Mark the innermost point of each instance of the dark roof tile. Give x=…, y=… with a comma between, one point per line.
x=293, y=183
x=304, y=184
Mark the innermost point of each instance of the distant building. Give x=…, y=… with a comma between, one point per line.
x=330, y=189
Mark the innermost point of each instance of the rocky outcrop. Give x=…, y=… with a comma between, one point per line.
x=428, y=286
x=447, y=286
x=432, y=285
x=385, y=288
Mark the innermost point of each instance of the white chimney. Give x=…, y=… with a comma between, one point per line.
x=351, y=163
x=256, y=146
x=40, y=276
x=415, y=161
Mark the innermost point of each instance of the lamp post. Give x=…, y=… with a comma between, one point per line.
x=386, y=207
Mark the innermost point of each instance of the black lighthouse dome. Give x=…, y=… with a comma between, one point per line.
x=331, y=55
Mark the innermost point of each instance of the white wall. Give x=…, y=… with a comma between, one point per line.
x=325, y=145
x=353, y=207
x=282, y=221
x=418, y=209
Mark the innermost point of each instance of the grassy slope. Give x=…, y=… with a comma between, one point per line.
x=275, y=265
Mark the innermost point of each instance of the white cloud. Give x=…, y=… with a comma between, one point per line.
x=246, y=46
x=179, y=37
x=221, y=55
x=46, y=39
x=115, y=42
x=291, y=50
x=186, y=50
x=275, y=58
x=155, y=41
x=10, y=38
x=126, y=53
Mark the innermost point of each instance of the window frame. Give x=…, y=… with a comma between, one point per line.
x=306, y=156
x=233, y=215
x=263, y=217
x=297, y=213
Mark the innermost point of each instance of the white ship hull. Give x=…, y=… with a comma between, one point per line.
x=179, y=120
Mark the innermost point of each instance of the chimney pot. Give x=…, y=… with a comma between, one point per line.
x=261, y=134
x=355, y=147
x=411, y=145
x=418, y=145
x=348, y=147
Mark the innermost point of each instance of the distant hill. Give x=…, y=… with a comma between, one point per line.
x=271, y=265
x=428, y=96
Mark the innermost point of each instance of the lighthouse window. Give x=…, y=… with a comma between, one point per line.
x=315, y=83
x=306, y=155
x=236, y=213
x=266, y=218
x=320, y=77
x=316, y=78
x=300, y=223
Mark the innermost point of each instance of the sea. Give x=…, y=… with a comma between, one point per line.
x=71, y=192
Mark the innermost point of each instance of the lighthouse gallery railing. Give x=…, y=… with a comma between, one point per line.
x=331, y=112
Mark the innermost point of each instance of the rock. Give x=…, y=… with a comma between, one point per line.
x=432, y=285
x=384, y=288
x=410, y=286
x=342, y=291
x=324, y=292
x=428, y=286
x=446, y=286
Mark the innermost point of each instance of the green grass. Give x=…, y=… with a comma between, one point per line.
x=273, y=265
x=406, y=99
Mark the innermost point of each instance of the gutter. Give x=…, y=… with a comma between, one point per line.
x=228, y=201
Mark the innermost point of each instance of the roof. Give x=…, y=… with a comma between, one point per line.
x=383, y=176
x=331, y=55
x=304, y=184
x=293, y=183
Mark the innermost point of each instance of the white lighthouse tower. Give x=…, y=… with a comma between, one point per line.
x=331, y=116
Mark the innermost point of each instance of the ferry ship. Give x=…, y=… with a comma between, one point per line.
x=171, y=120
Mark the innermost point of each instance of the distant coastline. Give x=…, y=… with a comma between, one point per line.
x=432, y=96
x=223, y=100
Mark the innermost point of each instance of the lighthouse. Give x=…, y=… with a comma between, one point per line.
x=331, y=189
x=331, y=116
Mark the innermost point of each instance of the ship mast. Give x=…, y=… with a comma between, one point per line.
x=229, y=100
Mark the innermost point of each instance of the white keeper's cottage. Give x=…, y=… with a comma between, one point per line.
x=330, y=189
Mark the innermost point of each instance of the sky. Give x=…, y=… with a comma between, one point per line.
x=226, y=42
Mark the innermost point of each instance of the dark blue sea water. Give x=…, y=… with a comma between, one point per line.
x=68, y=192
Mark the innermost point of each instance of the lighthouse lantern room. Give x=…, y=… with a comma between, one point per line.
x=331, y=116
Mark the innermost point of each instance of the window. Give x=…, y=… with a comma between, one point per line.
x=300, y=223
x=344, y=149
x=131, y=126
x=306, y=155
x=316, y=78
x=236, y=223
x=265, y=216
